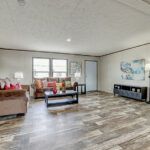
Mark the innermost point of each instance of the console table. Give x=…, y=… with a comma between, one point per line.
x=134, y=92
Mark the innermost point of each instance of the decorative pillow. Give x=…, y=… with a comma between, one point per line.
x=2, y=84
x=38, y=84
x=51, y=84
x=59, y=85
x=7, y=82
x=68, y=83
x=44, y=83
x=6, y=87
x=18, y=86
x=12, y=86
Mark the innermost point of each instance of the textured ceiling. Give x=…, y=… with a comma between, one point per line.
x=96, y=27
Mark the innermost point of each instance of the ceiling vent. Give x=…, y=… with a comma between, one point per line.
x=21, y=2
x=146, y=1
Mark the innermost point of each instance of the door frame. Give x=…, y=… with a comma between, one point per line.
x=85, y=72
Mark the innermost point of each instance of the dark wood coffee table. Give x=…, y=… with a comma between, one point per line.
x=50, y=102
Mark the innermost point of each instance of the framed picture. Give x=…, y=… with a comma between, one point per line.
x=75, y=67
x=133, y=70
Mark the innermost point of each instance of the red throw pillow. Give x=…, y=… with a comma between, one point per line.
x=51, y=84
x=6, y=87
x=12, y=86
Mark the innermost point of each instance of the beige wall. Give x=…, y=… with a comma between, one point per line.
x=13, y=61
x=109, y=68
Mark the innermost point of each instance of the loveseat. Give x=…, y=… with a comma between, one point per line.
x=13, y=102
x=43, y=84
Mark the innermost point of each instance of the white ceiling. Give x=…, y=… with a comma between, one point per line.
x=96, y=27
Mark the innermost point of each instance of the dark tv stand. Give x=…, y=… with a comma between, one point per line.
x=134, y=92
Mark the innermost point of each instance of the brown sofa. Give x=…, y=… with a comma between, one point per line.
x=13, y=102
x=39, y=91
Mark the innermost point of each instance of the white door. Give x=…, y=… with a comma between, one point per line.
x=91, y=75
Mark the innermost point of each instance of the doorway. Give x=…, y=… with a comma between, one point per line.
x=91, y=75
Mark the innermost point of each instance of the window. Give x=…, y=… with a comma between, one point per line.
x=59, y=67
x=41, y=67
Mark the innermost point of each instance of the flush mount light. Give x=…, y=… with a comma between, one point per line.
x=68, y=40
x=21, y=2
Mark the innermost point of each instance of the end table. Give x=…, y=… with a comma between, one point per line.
x=83, y=88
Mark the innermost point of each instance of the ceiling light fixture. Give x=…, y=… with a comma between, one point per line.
x=68, y=40
x=21, y=2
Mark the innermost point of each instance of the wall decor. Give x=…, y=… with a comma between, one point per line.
x=134, y=70
x=75, y=67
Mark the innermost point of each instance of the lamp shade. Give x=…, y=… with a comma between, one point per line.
x=18, y=75
x=147, y=67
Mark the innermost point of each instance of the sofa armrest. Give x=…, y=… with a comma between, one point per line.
x=75, y=86
x=12, y=94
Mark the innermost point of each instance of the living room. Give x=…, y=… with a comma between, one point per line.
x=74, y=75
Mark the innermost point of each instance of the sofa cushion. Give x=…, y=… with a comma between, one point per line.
x=61, y=80
x=51, y=79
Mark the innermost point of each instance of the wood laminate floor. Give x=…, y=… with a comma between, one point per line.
x=98, y=122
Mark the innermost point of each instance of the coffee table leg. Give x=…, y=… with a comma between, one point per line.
x=77, y=97
x=85, y=88
x=46, y=100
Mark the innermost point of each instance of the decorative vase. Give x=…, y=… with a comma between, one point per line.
x=54, y=91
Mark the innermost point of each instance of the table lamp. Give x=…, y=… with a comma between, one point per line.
x=18, y=76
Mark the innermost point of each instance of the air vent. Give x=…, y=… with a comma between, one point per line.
x=146, y=1
x=21, y=2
